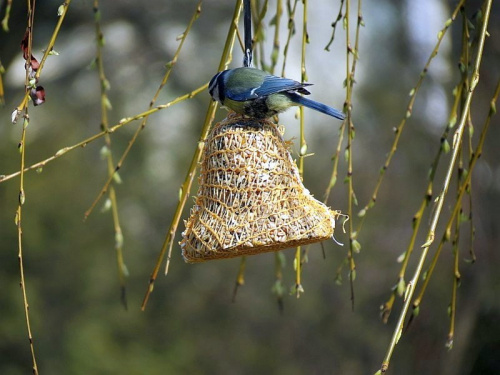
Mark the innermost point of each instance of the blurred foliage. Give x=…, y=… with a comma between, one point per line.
x=190, y=325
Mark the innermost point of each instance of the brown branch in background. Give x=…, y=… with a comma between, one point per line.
x=28, y=40
x=37, y=93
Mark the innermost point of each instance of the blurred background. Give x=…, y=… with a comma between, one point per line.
x=190, y=325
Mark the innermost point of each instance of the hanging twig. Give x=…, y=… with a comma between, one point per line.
x=105, y=106
x=399, y=130
x=186, y=186
x=22, y=194
x=457, y=139
x=141, y=127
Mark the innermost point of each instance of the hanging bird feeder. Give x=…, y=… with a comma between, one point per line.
x=251, y=198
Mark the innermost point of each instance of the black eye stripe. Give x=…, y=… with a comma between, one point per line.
x=222, y=86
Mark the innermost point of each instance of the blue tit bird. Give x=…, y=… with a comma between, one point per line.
x=255, y=93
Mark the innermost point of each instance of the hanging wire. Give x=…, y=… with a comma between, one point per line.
x=247, y=23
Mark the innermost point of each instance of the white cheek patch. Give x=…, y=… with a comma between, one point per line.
x=215, y=93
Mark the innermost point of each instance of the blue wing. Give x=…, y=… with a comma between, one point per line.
x=249, y=83
x=273, y=85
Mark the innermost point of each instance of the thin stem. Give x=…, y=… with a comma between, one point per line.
x=440, y=200
x=334, y=25
x=427, y=198
x=461, y=191
x=240, y=278
x=112, y=129
x=456, y=281
x=417, y=218
x=186, y=186
x=22, y=194
x=63, y=9
x=5, y=20
x=276, y=39
x=350, y=138
x=105, y=106
x=2, y=92
x=141, y=127
x=291, y=31
x=303, y=144
x=399, y=130
x=258, y=18
x=278, y=290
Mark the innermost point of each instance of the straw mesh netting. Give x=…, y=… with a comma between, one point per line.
x=250, y=198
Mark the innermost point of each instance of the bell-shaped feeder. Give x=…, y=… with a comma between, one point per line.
x=251, y=198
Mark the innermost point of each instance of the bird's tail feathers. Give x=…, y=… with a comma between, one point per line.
x=323, y=108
